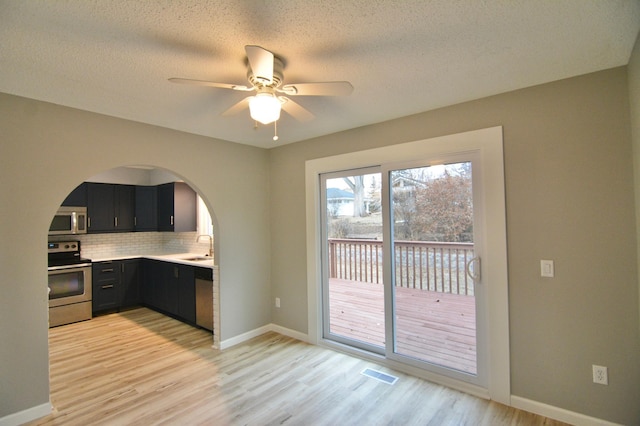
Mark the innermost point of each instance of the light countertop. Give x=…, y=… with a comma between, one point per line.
x=192, y=259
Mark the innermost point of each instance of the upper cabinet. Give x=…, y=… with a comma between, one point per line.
x=78, y=197
x=146, y=218
x=169, y=207
x=176, y=207
x=110, y=207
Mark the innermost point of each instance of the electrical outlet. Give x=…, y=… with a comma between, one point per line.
x=277, y=302
x=600, y=375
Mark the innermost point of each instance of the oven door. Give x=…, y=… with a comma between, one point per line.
x=69, y=284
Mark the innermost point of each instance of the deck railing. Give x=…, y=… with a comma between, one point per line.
x=433, y=266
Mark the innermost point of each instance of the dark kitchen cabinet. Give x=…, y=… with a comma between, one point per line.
x=116, y=284
x=110, y=207
x=153, y=285
x=100, y=202
x=77, y=197
x=146, y=208
x=105, y=282
x=129, y=291
x=170, y=288
x=186, y=293
x=125, y=207
x=177, y=204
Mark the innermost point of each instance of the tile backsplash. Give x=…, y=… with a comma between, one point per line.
x=100, y=246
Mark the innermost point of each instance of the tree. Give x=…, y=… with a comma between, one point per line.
x=433, y=204
x=445, y=208
x=356, y=183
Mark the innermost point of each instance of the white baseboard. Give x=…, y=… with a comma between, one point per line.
x=236, y=340
x=556, y=413
x=27, y=415
x=289, y=333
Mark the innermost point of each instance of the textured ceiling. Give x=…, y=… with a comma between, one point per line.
x=403, y=57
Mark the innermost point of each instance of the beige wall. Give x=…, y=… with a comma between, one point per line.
x=634, y=104
x=45, y=151
x=569, y=196
x=569, y=185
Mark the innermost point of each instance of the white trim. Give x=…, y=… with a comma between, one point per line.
x=489, y=142
x=241, y=338
x=289, y=333
x=27, y=415
x=556, y=413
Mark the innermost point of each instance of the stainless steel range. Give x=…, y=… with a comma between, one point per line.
x=69, y=283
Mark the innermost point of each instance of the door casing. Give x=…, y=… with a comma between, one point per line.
x=489, y=144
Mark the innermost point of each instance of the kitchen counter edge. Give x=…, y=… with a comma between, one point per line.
x=172, y=257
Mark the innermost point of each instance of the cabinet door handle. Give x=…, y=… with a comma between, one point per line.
x=107, y=286
x=89, y=222
x=135, y=221
x=171, y=219
x=107, y=270
x=116, y=221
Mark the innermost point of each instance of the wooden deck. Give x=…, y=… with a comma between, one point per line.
x=435, y=327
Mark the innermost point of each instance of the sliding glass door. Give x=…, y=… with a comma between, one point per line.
x=434, y=265
x=401, y=265
x=353, y=292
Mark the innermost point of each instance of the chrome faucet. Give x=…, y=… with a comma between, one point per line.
x=210, y=242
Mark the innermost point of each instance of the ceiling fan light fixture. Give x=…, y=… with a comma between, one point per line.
x=265, y=108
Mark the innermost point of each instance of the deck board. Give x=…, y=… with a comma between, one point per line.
x=436, y=327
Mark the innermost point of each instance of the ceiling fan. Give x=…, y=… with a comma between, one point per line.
x=266, y=79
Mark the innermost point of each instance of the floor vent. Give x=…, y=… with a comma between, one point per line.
x=380, y=376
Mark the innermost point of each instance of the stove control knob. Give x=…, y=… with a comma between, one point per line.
x=66, y=246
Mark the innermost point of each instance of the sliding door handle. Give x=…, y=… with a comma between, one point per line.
x=475, y=274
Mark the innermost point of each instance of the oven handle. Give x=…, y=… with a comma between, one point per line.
x=74, y=266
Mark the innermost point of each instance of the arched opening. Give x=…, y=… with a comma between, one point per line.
x=144, y=242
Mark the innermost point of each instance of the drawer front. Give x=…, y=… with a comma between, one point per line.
x=104, y=270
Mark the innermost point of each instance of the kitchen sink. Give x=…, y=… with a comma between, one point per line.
x=196, y=258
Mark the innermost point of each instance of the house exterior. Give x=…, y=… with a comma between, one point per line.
x=569, y=151
x=339, y=202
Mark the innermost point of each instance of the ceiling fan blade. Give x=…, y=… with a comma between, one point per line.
x=261, y=63
x=296, y=110
x=236, y=108
x=328, y=88
x=211, y=84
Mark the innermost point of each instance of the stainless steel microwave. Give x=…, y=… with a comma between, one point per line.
x=69, y=221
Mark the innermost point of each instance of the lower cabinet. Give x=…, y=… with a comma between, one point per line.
x=116, y=284
x=186, y=282
x=129, y=294
x=169, y=288
x=164, y=286
x=105, y=283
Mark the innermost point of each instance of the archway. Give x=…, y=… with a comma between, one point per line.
x=100, y=246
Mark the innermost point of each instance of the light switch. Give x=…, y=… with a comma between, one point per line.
x=546, y=268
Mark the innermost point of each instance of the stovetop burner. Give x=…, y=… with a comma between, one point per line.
x=65, y=262
x=63, y=253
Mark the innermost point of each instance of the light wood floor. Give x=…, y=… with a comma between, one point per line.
x=142, y=368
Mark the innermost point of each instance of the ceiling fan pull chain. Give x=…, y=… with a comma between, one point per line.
x=275, y=130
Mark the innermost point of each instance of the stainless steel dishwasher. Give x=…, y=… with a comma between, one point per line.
x=204, y=298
